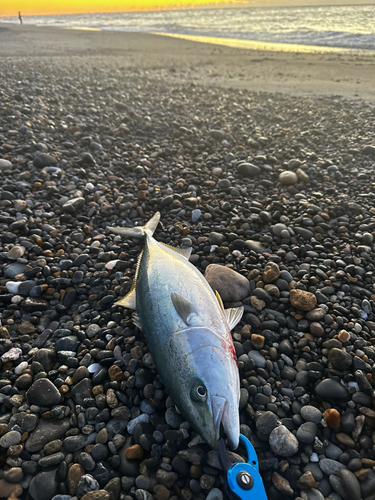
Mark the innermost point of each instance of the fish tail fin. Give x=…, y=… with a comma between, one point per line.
x=138, y=232
x=152, y=224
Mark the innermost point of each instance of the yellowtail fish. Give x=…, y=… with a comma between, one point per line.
x=188, y=333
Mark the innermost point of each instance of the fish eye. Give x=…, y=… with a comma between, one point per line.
x=199, y=393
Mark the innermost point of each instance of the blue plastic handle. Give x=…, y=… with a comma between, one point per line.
x=243, y=479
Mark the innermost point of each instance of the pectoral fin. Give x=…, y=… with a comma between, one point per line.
x=234, y=315
x=184, y=308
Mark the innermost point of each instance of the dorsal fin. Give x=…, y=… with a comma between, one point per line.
x=184, y=307
x=234, y=315
x=219, y=300
x=185, y=252
x=129, y=301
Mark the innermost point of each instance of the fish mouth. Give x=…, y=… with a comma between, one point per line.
x=225, y=421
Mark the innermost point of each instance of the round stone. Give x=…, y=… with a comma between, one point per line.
x=283, y=442
x=311, y=414
x=288, y=178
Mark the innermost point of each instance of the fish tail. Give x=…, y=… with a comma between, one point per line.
x=138, y=232
x=152, y=224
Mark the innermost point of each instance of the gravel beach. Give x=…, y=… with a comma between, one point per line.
x=275, y=194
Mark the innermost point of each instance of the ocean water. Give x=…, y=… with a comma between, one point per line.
x=349, y=26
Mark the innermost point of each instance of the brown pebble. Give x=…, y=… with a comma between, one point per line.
x=304, y=301
x=4, y=334
x=343, y=336
x=52, y=447
x=361, y=474
x=134, y=452
x=13, y=475
x=345, y=439
x=307, y=481
x=271, y=272
x=7, y=489
x=257, y=340
x=97, y=389
x=259, y=304
x=368, y=463
x=281, y=484
x=332, y=418
x=115, y=373
x=316, y=329
x=195, y=471
x=97, y=495
x=75, y=473
x=246, y=331
x=161, y=492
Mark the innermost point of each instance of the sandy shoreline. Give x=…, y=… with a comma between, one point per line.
x=346, y=75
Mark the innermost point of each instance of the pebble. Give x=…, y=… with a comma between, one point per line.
x=283, y=442
x=9, y=439
x=311, y=414
x=331, y=389
x=330, y=466
x=288, y=178
x=350, y=484
x=304, y=301
x=43, y=393
x=76, y=375
x=306, y=432
x=5, y=165
x=231, y=285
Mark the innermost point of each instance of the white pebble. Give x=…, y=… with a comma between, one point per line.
x=314, y=457
x=93, y=368
x=354, y=384
x=213, y=248
x=13, y=286
x=111, y=264
x=237, y=253
x=90, y=186
x=21, y=367
x=17, y=299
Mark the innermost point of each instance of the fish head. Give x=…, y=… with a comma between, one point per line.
x=207, y=383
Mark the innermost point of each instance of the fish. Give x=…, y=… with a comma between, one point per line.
x=188, y=334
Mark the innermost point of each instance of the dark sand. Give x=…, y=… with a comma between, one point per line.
x=349, y=75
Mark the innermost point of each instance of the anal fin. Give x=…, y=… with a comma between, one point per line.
x=234, y=315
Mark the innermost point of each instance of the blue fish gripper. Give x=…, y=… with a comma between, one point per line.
x=243, y=481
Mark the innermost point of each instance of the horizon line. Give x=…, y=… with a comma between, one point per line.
x=206, y=6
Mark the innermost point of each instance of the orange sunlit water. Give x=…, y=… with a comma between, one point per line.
x=39, y=7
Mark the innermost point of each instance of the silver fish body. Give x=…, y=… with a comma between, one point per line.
x=188, y=335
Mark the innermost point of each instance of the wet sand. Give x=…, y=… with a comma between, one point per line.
x=349, y=75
